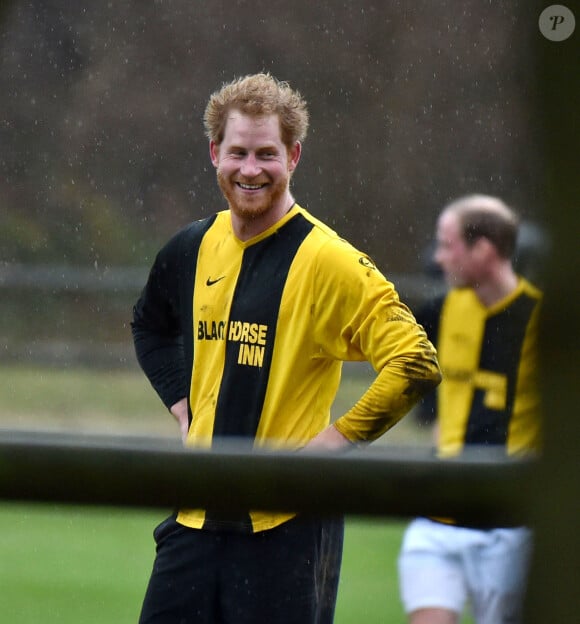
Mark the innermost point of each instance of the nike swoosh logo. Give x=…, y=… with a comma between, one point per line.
x=211, y=282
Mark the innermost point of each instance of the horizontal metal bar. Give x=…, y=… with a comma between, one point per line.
x=372, y=481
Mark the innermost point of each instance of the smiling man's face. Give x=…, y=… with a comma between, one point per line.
x=254, y=168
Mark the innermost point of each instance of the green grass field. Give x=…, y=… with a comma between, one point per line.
x=91, y=565
x=70, y=564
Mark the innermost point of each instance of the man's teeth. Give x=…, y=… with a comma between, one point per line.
x=250, y=187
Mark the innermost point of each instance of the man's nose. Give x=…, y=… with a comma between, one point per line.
x=250, y=166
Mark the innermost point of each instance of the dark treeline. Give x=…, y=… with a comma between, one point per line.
x=102, y=152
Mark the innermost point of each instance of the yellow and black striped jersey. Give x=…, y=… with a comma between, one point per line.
x=260, y=330
x=489, y=358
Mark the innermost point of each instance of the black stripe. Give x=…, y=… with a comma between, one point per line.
x=501, y=352
x=257, y=299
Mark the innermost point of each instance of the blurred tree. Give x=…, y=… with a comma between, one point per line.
x=411, y=105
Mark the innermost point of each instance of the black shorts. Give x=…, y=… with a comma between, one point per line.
x=286, y=575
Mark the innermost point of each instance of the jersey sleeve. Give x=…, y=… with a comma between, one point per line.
x=360, y=317
x=156, y=328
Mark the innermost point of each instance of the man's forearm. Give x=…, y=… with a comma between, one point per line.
x=163, y=362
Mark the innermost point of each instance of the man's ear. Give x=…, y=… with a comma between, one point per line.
x=214, y=153
x=484, y=249
x=294, y=156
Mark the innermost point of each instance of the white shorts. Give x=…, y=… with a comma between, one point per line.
x=445, y=566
